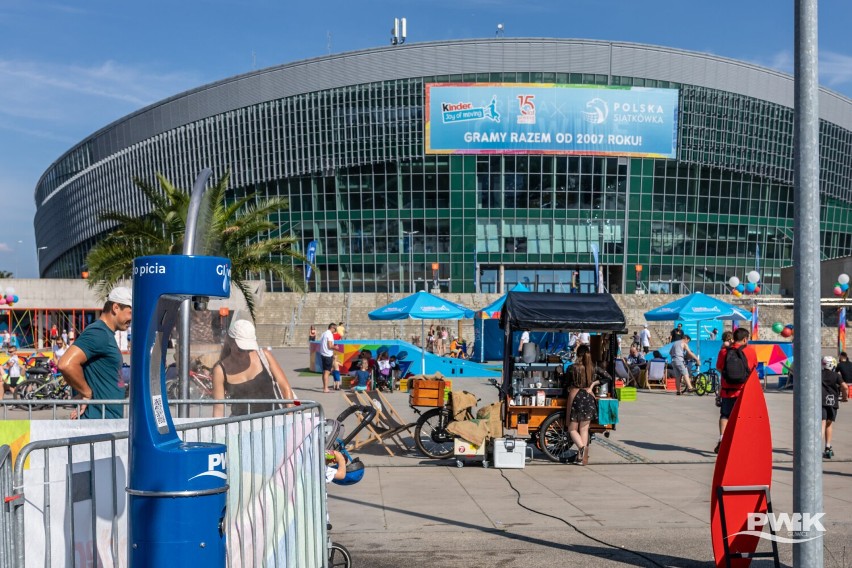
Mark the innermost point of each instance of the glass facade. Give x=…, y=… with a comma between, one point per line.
x=388, y=218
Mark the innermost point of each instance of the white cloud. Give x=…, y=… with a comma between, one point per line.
x=835, y=69
x=56, y=94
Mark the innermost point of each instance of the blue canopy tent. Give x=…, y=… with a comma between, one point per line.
x=488, y=337
x=697, y=307
x=422, y=306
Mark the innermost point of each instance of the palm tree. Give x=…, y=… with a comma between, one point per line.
x=235, y=230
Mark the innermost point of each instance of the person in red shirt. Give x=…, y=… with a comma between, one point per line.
x=731, y=391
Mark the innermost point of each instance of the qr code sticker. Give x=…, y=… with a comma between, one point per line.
x=159, y=413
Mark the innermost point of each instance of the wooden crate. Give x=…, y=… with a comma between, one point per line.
x=426, y=392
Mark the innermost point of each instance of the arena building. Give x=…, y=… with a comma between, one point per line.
x=473, y=165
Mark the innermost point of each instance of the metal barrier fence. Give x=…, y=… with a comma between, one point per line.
x=69, y=505
x=6, y=525
x=44, y=409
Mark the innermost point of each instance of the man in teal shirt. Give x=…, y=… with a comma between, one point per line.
x=92, y=365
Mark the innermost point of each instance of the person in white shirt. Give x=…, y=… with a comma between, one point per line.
x=583, y=338
x=645, y=339
x=327, y=354
x=525, y=338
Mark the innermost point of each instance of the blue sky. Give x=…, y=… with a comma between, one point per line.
x=69, y=68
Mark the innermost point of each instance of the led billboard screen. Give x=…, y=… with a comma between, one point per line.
x=506, y=118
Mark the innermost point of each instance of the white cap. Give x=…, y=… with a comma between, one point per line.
x=121, y=295
x=645, y=326
x=243, y=333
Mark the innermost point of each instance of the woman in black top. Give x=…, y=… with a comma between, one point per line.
x=582, y=405
x=244, y=371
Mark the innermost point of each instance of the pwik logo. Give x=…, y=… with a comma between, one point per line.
x=798, y=524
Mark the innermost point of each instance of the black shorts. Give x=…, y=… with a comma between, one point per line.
x=13, y=381
x=727, y=407
x=327, y=363
x=829, y=413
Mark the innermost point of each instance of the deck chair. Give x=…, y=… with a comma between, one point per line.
x=387, y=424
x=622, y=371
x=370, y=434
x=656, y=375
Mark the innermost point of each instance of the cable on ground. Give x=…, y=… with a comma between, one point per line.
x=585, y=534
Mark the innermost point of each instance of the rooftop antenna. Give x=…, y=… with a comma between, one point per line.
x=501, y=29
x=328, y=42
x=253, y=60
x=399, y=31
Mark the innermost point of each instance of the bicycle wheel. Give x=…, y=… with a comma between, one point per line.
x=338, y=556
x=431, y=436
x=554, y=440
x=702, y=384
x=29, y=392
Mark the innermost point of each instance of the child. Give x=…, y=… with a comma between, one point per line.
x=335, y=465
x=384, y=378
x=335, y=374
x=362, y=376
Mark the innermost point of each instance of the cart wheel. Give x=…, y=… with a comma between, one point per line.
x=459, y=463
x=554, y=440
x=431, y=436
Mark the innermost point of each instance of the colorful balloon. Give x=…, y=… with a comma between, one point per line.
x=733, y=282
x=740, y=288
x=10, y=298
x=757, y=289
x=843, y=279
x=838, y=291
x=750, y=287
x=10, y=291
x=777, y=327
x=786, y=332
x=15, y=298
x=844, y=287
x=753, y=277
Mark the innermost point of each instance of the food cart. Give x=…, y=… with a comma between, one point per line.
x=533, y=393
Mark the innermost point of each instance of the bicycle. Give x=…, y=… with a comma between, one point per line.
x=706, y=381
x=200, y=386
x=52, y=388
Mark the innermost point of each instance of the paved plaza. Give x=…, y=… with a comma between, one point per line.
x=643, y=500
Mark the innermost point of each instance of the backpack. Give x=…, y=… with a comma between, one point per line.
x=736, y=369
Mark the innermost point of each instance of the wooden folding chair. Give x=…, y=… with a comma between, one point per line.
x=352, y=399
x=388, y=424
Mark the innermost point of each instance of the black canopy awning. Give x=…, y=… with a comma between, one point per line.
x=569, y=312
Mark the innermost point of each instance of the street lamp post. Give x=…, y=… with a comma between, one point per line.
x=410, y=235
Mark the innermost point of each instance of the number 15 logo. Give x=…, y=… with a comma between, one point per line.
x=526, y=104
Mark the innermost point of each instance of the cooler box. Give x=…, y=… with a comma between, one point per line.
x=511, y=453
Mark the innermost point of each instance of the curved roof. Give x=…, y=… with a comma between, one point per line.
x=457, y=57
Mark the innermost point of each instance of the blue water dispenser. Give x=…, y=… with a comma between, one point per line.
x=177, y=490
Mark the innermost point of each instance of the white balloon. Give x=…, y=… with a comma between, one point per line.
x=734, y=282
x=753, y=276
x=10, y=291
x=843, y=279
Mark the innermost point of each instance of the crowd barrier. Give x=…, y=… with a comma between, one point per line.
x=6, y=524
x=66, y=502
x=49, y=409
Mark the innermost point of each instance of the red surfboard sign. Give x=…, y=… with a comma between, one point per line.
x=745, y=459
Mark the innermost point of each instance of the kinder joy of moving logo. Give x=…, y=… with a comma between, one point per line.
x=462, y=111
x=217, y=465
x=799, y=524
